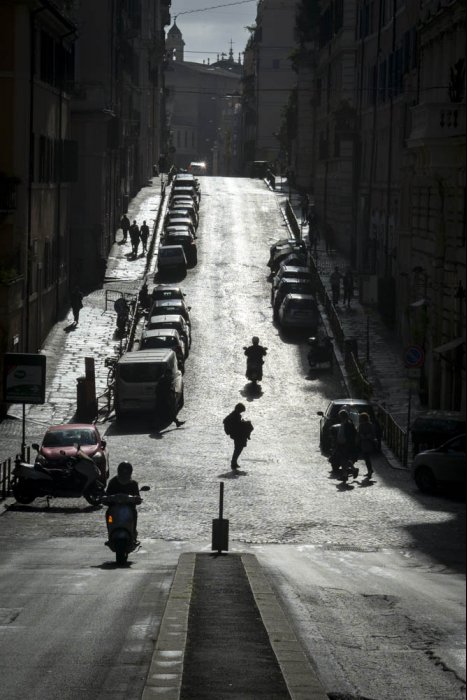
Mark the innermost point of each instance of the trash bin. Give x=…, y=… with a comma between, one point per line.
x=81, y=398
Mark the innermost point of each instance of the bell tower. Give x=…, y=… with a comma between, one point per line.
x=174, y=43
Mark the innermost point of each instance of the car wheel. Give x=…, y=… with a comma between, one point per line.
x=425, y=479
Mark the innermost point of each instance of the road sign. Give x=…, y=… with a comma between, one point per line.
x=414, y=356
x=24, y=378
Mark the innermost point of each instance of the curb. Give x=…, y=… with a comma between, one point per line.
x=165, y=675
x=302, y=682
x=166, y=670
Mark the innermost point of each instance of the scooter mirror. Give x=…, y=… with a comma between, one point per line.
x=145, y=488
x=35, y=446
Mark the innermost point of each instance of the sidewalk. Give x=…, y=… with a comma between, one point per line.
x=385, y=367
x=66, y=346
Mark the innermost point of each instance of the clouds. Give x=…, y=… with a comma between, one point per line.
x=210, y=32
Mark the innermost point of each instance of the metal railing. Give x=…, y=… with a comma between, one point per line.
x=358, y=380
x=6, y=470
x=395, y=437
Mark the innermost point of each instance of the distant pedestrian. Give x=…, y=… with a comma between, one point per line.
x=348, y=287
x=304, y=204
x=335, y=280
x=239, y=430
x=166, y=406
x=144, y=234
x=366, y=441
x=125, y=226
x=134, y=238
x=76, y=302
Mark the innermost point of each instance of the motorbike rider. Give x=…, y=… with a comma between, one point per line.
x=345, y=452
x=255, y=353
x=123, y=483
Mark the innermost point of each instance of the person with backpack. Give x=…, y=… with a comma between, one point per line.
x=239, y=430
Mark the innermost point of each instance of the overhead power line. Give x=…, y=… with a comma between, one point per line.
x=214, y=7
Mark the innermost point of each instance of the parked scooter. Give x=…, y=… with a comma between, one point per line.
x=320, y=352
x=78, y=477
x=120, y=519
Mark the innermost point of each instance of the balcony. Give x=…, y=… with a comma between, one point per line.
x=436, y=121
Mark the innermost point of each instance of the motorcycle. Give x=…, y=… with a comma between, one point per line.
x=321, y=352
x=254, y=368
x=120, y=519
x=78, y=477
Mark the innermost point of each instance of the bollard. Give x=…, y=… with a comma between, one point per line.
x=220, y=527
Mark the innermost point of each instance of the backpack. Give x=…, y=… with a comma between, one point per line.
x=228, y=424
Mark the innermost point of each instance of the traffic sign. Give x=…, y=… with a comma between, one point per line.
x=414, y=356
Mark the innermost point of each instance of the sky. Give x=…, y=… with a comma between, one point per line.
x=208, y=32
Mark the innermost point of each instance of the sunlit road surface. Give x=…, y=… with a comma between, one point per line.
x=371, y=576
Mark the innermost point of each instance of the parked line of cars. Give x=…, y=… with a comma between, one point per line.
x=292, y=292
x=178, y=250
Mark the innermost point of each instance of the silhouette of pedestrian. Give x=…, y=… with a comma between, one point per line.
x=304, y=204
x=134, y=238
x=76, y=302
x=125, y=226
x=239, y=430
x=144, y=233
x=348, y=286
x=166, y=399
x=335, y=280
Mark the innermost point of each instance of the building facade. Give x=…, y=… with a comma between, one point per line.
x=37, y=165
x=203, y=109
x=81, y=127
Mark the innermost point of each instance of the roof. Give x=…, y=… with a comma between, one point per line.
x=159, y=332
x=140, y=356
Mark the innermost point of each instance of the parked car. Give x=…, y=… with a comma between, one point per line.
x=172, y=321
x=433, y=428
x=299, y=311
x=291, y=255
x=137, y=376
x=286, y=286
x=292, y=272
x=167, y=291
x=184, y=198
x=441, y=466
x=165, y=338
x=185, y=239
x=176, y=221
x=185, y=189
x=330, y=417
x=162, y=307
x=187, y=178
x=183, y=210
x=61, y=441
x=171, y=258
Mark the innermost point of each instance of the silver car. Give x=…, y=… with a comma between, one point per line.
x=443, y=465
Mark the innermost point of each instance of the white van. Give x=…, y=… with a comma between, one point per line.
x=136, y=378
